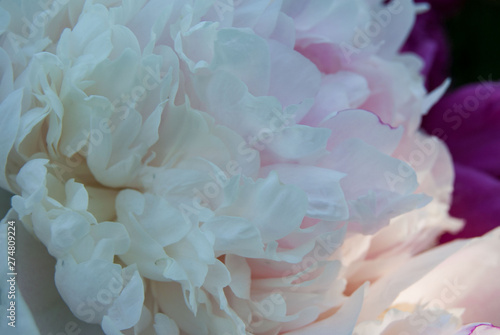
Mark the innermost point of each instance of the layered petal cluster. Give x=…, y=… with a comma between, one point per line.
x=227, y=167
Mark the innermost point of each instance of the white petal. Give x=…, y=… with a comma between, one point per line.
x=164, y=325
x=92, y=283
x=365, y=126
x=10, y=109
x=244, y=55
x=126, y=309
x=35, y=281
x=326, y=198
x=275, y=209
x=385, y=290
x=292, y=87
x=234, y=235
x=343, y=321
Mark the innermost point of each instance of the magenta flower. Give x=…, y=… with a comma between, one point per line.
x=468, y=120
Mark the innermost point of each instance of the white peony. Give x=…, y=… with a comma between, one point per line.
x=217, y=167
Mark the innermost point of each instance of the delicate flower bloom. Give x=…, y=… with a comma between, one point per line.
x=204, y=168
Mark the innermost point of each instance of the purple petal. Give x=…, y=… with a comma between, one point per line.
x=468, y=120
x=476, y=198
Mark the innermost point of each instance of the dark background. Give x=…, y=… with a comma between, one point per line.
x=474, y=37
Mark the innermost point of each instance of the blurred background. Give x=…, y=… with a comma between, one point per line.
x=474, y=34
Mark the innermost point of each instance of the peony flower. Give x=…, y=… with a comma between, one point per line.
x=208, y=167
x=467, y=121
